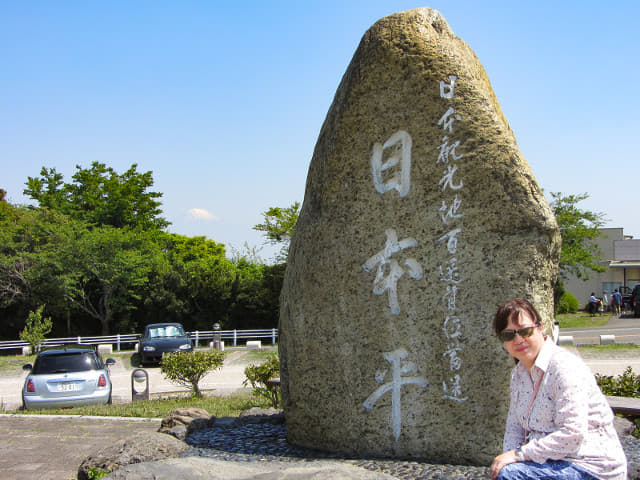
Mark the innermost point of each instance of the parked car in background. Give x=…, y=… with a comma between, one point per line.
x=162, y=338
x=635, y=300
x=67, y=376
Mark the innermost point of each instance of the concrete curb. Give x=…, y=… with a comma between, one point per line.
x=83, y=417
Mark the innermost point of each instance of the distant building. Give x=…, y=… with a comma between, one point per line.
x=620, y=255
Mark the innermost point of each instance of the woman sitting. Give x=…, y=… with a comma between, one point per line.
x=559, y=425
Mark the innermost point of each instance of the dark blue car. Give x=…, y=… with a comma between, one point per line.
x=162, y=338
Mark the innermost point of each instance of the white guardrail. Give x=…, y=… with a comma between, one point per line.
x=236, y=336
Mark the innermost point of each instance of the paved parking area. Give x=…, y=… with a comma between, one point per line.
x=52, y=448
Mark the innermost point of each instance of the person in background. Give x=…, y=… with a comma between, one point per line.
x=605, y=301
x=559, y=424
x=616, y=299
x=593, y=304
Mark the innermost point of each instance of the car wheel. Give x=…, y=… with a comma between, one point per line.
x=136, y=360
x=110, y=400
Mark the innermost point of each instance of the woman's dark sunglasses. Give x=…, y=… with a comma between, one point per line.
x=508, y=335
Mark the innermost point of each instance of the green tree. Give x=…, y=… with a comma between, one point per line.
x=279, y=225
x=48, y=190
x=25, y=273
x=100, y=196
x=103, y=271
x=256, y=295
x=14, y=254
x=579, y=255
x=188, y=368
x=201, y=276
x=36, y=329
x=122, y=278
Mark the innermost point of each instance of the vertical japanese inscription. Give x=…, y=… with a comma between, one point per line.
x=398, y=370
x=451, y=214
x=391, y=170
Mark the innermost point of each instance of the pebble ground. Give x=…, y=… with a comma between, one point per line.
x=268, y=443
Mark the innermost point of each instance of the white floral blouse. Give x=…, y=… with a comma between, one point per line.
x=569, y=419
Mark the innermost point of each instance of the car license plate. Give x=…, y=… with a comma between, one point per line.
x=67, y=387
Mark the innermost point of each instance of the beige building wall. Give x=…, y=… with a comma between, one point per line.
x=621, y=258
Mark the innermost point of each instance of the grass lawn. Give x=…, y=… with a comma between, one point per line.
x=581, y=319
x=12, y=364
x=230, y=406
x=616, y=347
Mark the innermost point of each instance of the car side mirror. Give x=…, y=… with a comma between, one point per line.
x=27, y=367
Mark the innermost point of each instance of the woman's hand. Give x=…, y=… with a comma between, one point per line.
x=501, y=460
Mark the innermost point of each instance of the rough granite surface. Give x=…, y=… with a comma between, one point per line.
x=420, y=217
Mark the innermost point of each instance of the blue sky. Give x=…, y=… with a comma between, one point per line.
x=223, y=101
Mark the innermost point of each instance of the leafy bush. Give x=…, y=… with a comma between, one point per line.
x=568, y=303
x=188, y=368
x=258, y=375
x=96, y=473
x=36, y=329
x=625, y=385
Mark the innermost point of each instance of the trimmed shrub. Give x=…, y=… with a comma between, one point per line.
x=625, y=385
x=258, y=375
x=188, y=368
x=568, y=303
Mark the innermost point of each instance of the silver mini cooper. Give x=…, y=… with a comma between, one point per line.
x=67, y=377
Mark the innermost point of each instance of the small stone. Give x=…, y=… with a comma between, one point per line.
x=260, y=415
x=143, y=447
x=178, y=431
x=192, y=419
x=623, y=426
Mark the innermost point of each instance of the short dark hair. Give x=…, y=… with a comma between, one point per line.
x=511, y=308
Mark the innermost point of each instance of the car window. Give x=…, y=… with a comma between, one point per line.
x=164, y=332
x=156, y=332
x=66, y=362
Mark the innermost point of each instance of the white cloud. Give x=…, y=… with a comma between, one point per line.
x=201, y=214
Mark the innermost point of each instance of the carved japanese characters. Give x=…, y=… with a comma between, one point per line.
x=420, y=217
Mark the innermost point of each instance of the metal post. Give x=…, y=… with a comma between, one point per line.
x=273, y=336
x=235, y=337
x=139, y=375
x=216, y=336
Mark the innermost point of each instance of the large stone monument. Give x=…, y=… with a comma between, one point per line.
x=420, y=217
